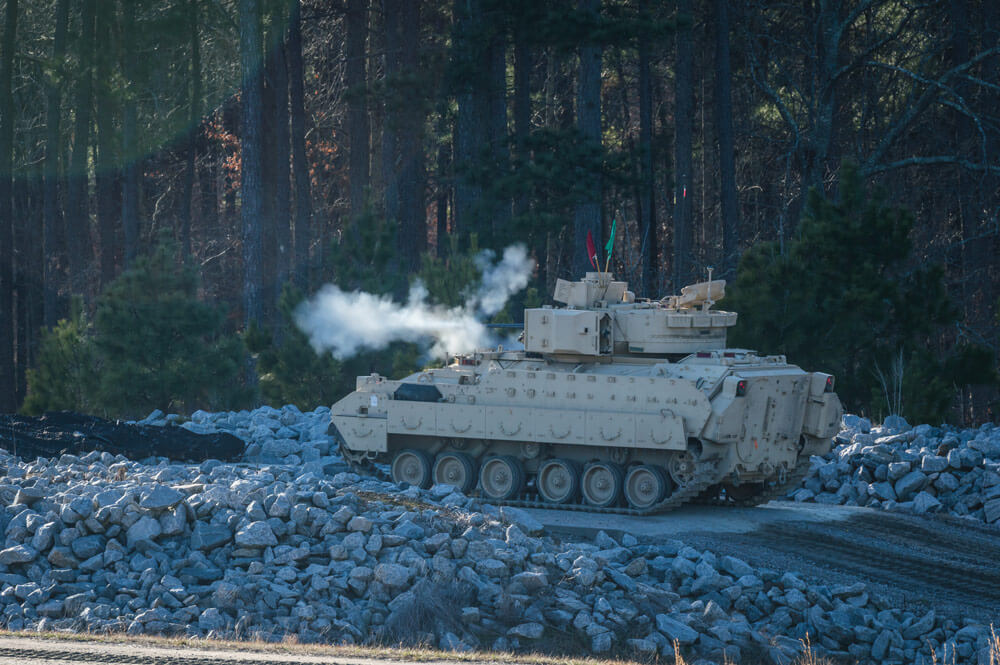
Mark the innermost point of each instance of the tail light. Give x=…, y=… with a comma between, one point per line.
x=741, y=388
x=829, y=385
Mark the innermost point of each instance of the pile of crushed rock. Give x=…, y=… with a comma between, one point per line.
x=921, y=469
x=287, y=542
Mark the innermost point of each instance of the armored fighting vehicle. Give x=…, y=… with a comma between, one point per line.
x=615, y=404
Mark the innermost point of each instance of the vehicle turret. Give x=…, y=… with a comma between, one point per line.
x=602, y=318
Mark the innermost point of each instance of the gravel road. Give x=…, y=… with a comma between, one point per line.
x=20, y=650
x=914, y=562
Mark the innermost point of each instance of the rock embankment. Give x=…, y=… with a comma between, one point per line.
x=922, y=469
x=285, y=543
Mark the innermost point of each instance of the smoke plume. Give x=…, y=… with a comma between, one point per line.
x=345, y=323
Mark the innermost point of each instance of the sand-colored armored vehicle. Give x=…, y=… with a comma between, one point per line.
x=614, y=404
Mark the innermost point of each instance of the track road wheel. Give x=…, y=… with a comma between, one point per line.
x=413, y=467
x=558, y=480
x=457, y=470
x=646, y=486
x=682, y=466
x=601, y=484
x=501, y=478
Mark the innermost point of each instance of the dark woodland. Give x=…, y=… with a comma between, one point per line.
x=838, y=162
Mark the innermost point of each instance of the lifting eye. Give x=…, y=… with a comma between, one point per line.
x=741, y=388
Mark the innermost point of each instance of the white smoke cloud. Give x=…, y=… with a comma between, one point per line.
x=502, y=280
x=345, y=323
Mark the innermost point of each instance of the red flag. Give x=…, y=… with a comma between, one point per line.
x=591, y=250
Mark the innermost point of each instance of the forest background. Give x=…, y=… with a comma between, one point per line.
x=175, y=176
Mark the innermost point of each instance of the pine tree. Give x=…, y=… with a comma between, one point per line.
x=159, y=346
x=292, y=372
x=65, y=376
x=841, y=300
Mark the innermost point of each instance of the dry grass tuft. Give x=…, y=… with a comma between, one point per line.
x=945, y=660
x=994, y=646
x=432, y=608
x=678, y=658
x=809, y=655
x=408, y=504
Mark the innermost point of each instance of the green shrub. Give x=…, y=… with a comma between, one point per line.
x=152, y=345
x=65, y=377
x=161, y=347
x=291, y=371
x=846, y=298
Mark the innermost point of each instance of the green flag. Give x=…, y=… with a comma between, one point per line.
x=611, y=240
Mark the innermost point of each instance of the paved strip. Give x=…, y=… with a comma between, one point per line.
x=20, y=650
x=693, y=519
x=934, y=561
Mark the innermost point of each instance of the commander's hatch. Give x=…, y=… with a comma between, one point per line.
x=595, y=290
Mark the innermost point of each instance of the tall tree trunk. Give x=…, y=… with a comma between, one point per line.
x=194, y=128
x=390, y=119
x=52, y=242
x=8, y=318
x=441, y=202
x=497, y=127
x=274, y=173
x=683, y=162
x=300, y=161
x=106, y=165
x=470, y=122
x=282, y=145
x=647, y=196
x=32, y=279
x=250, y=184
x=268, y=178
x=588, y=118
x=727, y=147
x=523, y=64
x=77, y=216
x=976, y=256
x=130, y=151
x=358, y=127
x=412, y=213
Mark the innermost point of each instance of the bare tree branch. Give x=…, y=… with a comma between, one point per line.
x=915, y=108
x=926, y=161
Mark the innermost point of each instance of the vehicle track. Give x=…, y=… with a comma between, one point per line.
x=906, y=560
x=700, y=481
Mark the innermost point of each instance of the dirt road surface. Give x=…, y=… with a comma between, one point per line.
x=16, y=650
x=917, y=562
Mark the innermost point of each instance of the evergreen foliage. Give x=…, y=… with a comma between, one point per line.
x=365, y=257
x=841, y=299
x=64, y=378
x=161, y=347
x=292, y=372
x=448, y=279
x=152, y=344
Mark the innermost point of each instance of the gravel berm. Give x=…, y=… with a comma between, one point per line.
x=284, y=543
